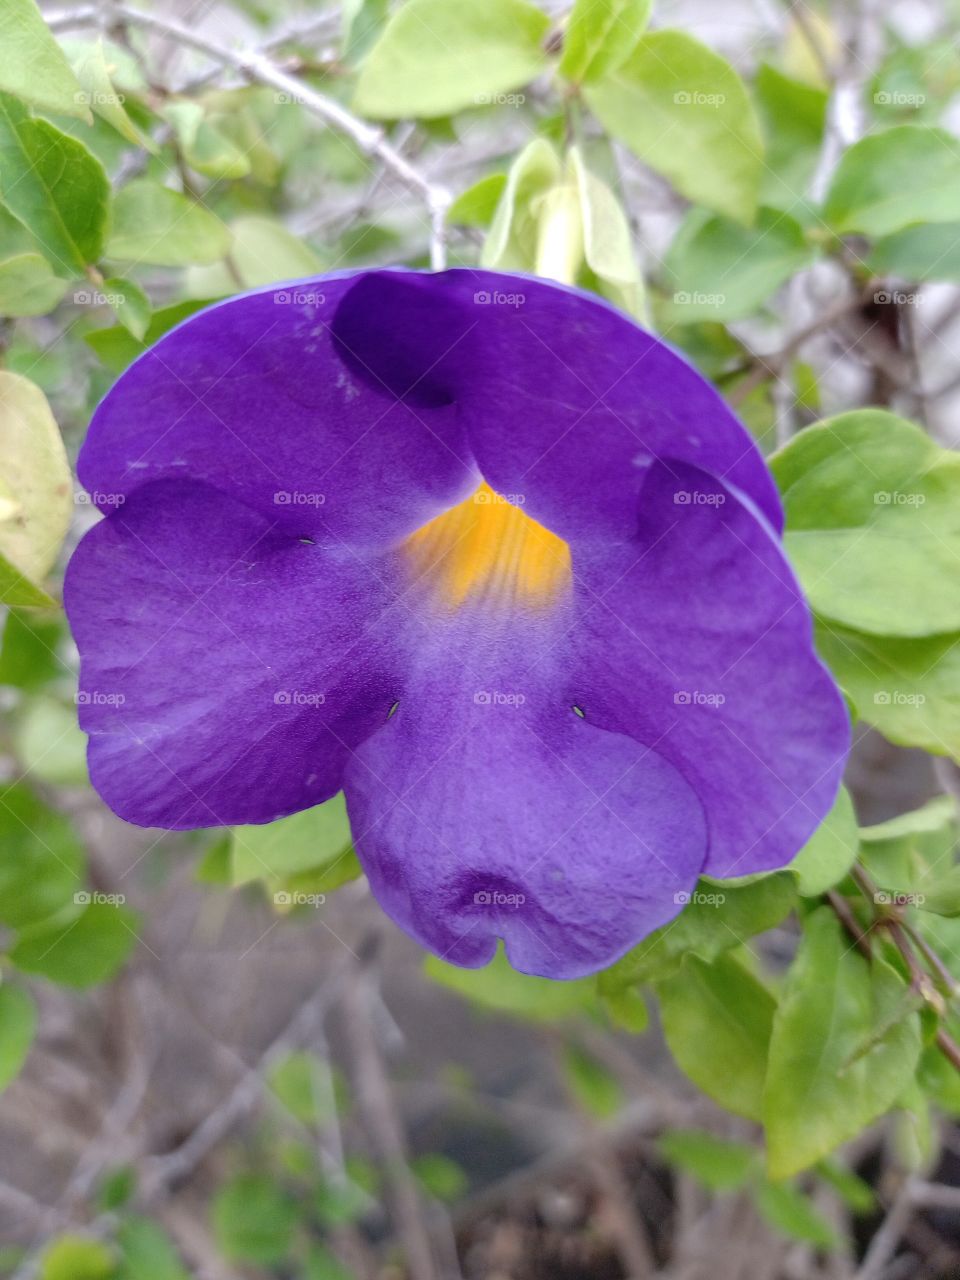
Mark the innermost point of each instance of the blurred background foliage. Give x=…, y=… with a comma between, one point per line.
x=219, y=1059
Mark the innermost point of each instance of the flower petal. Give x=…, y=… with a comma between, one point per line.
x=486, y=812
x=695, y=638
x=227, y=668
x=259, y=396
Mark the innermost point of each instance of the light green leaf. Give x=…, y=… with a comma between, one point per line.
x=49, y=743
x=717, y=1163
x=873, y=523
x=721, y=270
x=599, y=36
x=791, y=1212
x=34, y=469
x=18, y=591
x=476, y=206
x=29, y=651
x=913, y=853
x=99, y=93
x=511, y=244
x=314, y=840
x=830, y=852
x=607, y=243
x=79, y=951
x=54, y=186
x=253, y=1220
x=320, y=1264
x=154, y=225
x=28, y=286
x=435, y=58
x=303, y=1083
x=130, y=304
x=793, y=117
x=503, y=989
x=888, y=180
x=591, y=1083
x=685, y=111
x=205, y=147
x=927, y=251
x=720, y=915
x=717, y=1020
x=18, y=1025
x=845, y=1045
x=442, y=1177
x=263, y=252
x=74, y=1257
x=360, y=24
x=32, y=64
x=908, y=689
x=147, y=1252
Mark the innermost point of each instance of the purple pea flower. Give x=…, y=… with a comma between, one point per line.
x=480, y=552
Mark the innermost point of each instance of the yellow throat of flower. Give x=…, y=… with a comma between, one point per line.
x=488, y=547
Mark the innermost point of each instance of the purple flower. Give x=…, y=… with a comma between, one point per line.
x=482, y=553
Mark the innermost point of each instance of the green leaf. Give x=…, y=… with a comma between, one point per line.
x=117, y=347
x=888, y=180
x=216, y=865
x=908, y=689
x=130, y=304
x=791, y=1212
x=263, y=251
x=476, y=206
x=18, y=1024
x=499, y=987
x=34, y=470
x=590, y=1082
x=627, y=1008
x=205, y=148
x=81, y=951
x=607, y=242
x=722, y=270
x=441, y=1177
x=913, y=852
x=360, y=24
x=54, y=186
x=28, y=286
x=49, y=743
x=160, y=227
x=599, y=36
x=320, y=1264
x=253, y=1220
x=717, y=1163
x=316, y=839
x=29, y=651
x=685, y=111
x=435, y=58
x=147, y=1252
x=515, y=230
x=717, y=1020
x=18, y=591
x=32, y=64
x=928, y=251
x=99, y=93
x=42, y=865
x=73, y=1257
x=849, y=1186
x=830, y=852
x=720, y=915
x=845, y=1045
x=304, y=1085
x=873, y=522
x=793, y=117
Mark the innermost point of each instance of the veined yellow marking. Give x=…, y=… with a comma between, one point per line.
x=486, y=546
